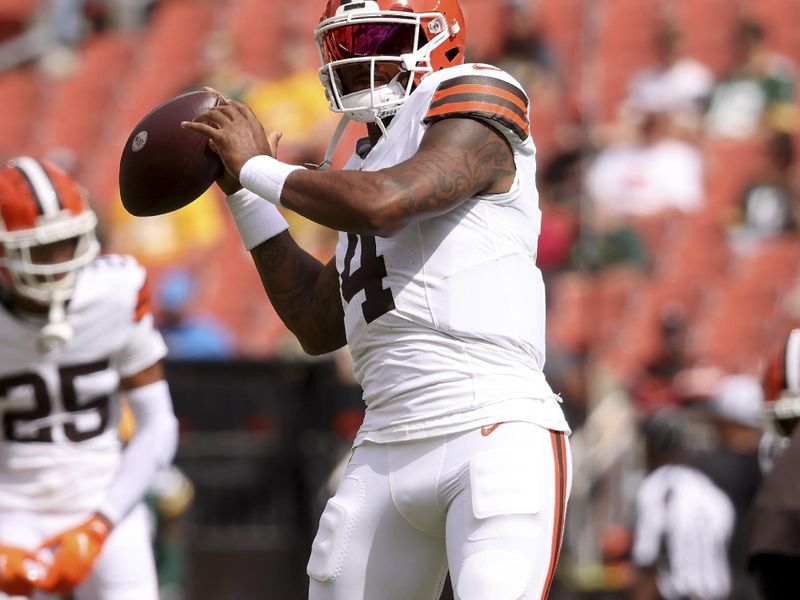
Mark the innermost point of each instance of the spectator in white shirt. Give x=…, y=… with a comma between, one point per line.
x=651, y=174
x=676, y=83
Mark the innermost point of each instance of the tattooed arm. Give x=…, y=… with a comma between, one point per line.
x=303, y=291
x=457, y=159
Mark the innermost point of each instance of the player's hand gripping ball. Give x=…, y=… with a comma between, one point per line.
x=164, y=166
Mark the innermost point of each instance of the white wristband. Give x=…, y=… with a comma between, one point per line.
x=256, y=219
x=265, y=176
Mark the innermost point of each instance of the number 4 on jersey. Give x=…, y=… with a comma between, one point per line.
x=368, y=277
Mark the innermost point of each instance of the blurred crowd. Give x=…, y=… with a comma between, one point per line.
x=670, y=239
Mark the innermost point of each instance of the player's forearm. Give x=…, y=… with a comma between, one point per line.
x=358, y=202
x=351, y=201
x=152, y=447
x=303, y=291
x=457, y=159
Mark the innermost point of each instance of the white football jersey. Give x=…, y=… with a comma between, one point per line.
x=445, y=319
x=59, y=447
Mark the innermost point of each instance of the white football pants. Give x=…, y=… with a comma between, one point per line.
x=125, y=569
x=487, y=503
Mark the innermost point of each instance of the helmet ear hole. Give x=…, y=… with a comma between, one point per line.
x=452, y=54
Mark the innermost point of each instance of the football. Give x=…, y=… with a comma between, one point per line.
x=163, y=166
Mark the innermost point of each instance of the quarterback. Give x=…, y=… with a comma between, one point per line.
x=75, y=331
x=462, y=461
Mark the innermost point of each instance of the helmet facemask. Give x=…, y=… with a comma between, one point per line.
x=368, y=36
x=46, y=282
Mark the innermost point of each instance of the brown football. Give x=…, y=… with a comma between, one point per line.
x=163, y=166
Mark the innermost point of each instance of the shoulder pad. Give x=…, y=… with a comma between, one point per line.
x=124, y=278
x=483, y=92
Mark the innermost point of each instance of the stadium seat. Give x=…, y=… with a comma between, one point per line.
x=256, y=27
x=20, y=90
x=563, y=25
x=74, y=125
x=781, y=21
x=707, y=27
x=232, y=291
x=730, y=166
x=485, y=29
x=624, y=46
x=570, y=323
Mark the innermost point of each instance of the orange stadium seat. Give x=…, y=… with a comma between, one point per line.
x=21, y=95
x=707, y=27
x=781, y=20
x=730, y=166
x=563, y=22
x=256, y=27
x=635, y=343
x=732, y=328
x=774, y=265
x=624, y=46
x=485, y=29
x=169, y=61
x=18, y=9
x=613, y=295
x=743, y=313
x=232, y=291
x=696, y=251
x=569, y=320
x=67, y=123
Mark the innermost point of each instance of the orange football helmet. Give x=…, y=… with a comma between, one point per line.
x=41, y=205
x=420, y=36
x=781, y=383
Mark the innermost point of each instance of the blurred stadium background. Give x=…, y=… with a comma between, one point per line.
x=670, y=238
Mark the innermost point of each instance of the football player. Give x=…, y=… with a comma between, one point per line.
x=774, y=545
x=781, y=386
x=462, y=460
x=75, y=331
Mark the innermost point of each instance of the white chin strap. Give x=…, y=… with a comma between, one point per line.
x=57, y=333
x=393, y=90
x=364, y=106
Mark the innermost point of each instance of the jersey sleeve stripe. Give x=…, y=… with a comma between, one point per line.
x=482, y=90
x=489, y=111
x=142, y=301
x=484, y=97
x=488, y=83
x=480, y=98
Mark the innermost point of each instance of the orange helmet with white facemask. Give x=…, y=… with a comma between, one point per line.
x=420, y=36
x=41, y=205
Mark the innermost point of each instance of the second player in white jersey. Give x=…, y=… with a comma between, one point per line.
x=76, y=332
x=60, y=409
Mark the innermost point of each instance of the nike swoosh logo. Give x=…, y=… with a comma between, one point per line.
x=488, y=429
